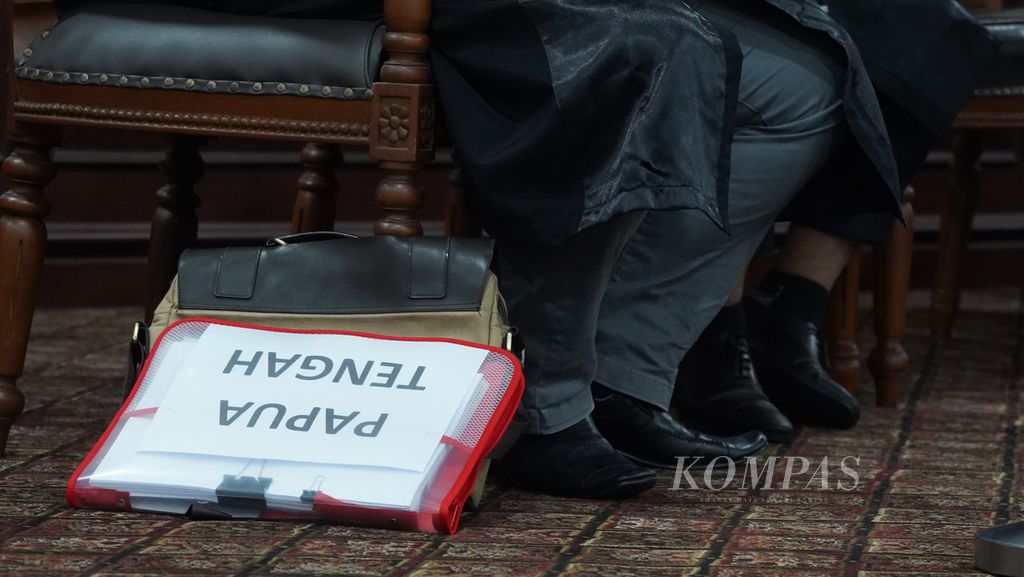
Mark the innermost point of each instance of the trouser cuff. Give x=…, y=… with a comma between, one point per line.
x=653, y=389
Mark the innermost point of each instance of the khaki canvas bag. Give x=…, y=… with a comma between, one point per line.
x=395, y=286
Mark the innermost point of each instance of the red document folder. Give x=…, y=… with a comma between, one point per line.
x=121, y=472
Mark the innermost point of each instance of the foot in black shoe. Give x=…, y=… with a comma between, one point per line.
x=718, y=391
x=651, y=436
x=787, y=352
x=575, y=462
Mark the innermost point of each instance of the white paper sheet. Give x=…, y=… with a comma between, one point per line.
x=212, y=407
x=170, y=476
x=172, y=356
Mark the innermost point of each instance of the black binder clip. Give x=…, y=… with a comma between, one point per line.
x=243, y=492
x=203, y=511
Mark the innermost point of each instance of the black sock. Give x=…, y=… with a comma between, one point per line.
x=731, y=320
x=600, y=392
x=793, y=296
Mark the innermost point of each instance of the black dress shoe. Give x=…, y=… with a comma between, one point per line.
x=787, y=353
x=652, y=437
x=575, y=462
x=718, y=391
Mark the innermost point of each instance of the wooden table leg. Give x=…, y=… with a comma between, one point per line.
x=22, y=246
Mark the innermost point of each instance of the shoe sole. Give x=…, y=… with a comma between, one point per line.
x=699, y=463
x=630, y=488
x=784, y=437
x=626, y=488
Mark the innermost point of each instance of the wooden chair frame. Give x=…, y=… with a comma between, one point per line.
x=961, y=200
x=396, y=126
x=888, y=360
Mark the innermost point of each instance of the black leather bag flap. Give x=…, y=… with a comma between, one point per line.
x=338, y=276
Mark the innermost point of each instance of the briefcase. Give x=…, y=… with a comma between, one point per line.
x=436, y=287
x=386, y=285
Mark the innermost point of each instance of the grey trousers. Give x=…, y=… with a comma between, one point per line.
x=622, y=302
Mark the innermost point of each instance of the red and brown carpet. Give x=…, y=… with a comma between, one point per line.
x=931, y=472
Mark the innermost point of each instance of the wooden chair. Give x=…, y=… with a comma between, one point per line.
x=888, y=360
x=999, y=105
x=94, y=69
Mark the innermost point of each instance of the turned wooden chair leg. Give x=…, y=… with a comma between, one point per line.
x=175, y=224
x=888, y=360
x=954, y=232
x=843, y=352
x=399, y=197
x=317, y=189
x=22, y=245
x=402, y=138
x=458, y=219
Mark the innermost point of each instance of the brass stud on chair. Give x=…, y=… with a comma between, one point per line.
x=104, y=78
x=168, y=82
x=144, y=82
x=26, y=52
x=257, y=87
x=211, y=85
x=190, y=83
x=233, y=87
x=65, y=77
x=348, y=92
x=326, y=91
x=83, y=78
x=281, y=87
x=303, y=89
x=122, y=81
x=49, y=75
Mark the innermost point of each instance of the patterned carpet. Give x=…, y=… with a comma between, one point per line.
x=930, y=473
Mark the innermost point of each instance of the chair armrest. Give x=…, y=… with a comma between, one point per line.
x=406, y=41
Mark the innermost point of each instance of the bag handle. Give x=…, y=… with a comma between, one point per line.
x=308, y=237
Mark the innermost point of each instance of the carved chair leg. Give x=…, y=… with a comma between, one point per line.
x=317, y=189
x=843, y=352
x=22, y=246
x=888, y=360
x=458, y=219
x=399, y=196
x=954, y=232
x=175, y=224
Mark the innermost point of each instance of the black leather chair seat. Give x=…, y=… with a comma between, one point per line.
x=1007, y=76
x=161, y=46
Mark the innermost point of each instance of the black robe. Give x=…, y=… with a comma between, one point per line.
x=568, y=113
x=565, y=114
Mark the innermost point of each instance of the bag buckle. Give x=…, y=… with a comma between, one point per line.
x=138, y=350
